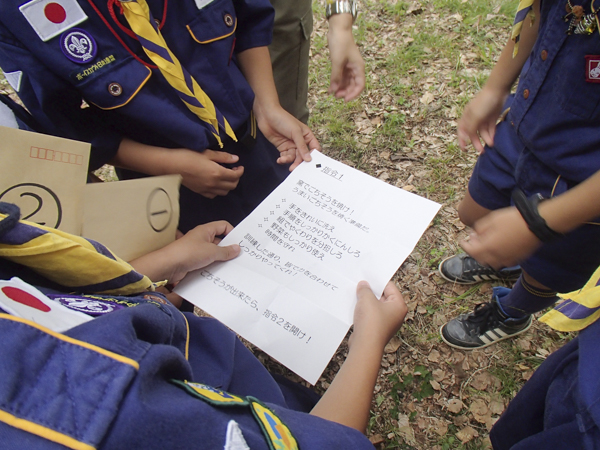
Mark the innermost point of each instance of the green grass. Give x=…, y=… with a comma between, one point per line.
x=403, y=62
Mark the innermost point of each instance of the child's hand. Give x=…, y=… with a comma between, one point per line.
x=204, y=173
x=501, y=239
x=196, y=249
x=293, y=139
x=347, y=64
x=479, y=119
x=376, y=321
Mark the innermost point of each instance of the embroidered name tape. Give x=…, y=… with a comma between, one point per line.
x=49, y=18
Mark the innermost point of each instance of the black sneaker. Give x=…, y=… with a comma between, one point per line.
x=463, y=269
x=484, y=326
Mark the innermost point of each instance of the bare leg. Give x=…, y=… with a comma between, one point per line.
x=470, y=211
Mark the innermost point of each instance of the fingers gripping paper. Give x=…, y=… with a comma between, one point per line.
x=291, y=292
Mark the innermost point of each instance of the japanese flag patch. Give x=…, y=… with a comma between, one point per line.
x=49, y=18
x=592, y=68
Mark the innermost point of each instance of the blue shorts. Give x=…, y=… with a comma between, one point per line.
x=559, y=406
x=564, y=265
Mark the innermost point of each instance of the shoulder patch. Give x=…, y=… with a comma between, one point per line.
x=49, y=18
x=210, y=394
x=279, y=436
x=78, y=45
x=235, y=439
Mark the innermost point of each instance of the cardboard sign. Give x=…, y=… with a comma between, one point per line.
x=132, y=217
x=44, y=176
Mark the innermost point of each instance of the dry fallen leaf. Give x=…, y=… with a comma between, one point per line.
x=439, y=375
x=496, y=407
x=479, y=409
x=427, y=98
x=467, y=434
x=481, y=381
x=440, y=427
x=406, y=430
x=455, y=405
x=376, y=439
x=393, y=345
x=434, y=355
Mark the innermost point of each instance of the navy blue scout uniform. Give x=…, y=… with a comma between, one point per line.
x=140, y=375
x=550, y=141
x=83, y=75
x=559, y=407
x=155, y=378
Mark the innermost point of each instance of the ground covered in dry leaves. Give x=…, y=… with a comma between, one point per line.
x=424, y=62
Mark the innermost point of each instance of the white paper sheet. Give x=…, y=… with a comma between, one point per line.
x=292, y=290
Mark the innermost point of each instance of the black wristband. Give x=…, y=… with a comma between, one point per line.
x=528, y=207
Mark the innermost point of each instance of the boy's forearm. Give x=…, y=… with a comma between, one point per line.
x=578, y=205
x=157, y=265
x=348, y=399
x=255, y=64
x=143, y=158
x=339, y=23
x=507, y=69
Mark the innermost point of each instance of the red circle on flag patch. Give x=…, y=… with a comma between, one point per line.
x=25, y=298
x=55, y=13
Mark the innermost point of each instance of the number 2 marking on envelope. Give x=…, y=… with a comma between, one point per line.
x=45, y=209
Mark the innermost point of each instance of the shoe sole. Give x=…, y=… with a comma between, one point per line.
x=481, y=280
x=508, y=336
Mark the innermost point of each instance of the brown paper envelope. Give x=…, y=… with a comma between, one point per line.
x=132, y=217
x=44, y=175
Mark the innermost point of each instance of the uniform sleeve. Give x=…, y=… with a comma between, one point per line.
x=55, y=104
x=255, y=24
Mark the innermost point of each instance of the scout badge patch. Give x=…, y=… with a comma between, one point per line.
x=78, y=45
x=210, y=394
x=280, y=436
x=277, y=434
x=592, y=68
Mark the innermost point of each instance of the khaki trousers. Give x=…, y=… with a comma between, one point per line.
x=289, y=54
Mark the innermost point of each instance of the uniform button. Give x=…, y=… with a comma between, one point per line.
x=512, y=123
x=157, y=22
x=115, y=89
x=526, y=94
x=544, y=55
x=228, y=20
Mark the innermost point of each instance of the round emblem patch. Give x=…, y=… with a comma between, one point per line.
x=90, y=306
x=78, y=45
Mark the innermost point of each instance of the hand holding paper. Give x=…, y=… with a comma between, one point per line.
x=292, y=290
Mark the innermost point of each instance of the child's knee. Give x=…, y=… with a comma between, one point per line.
x=470, y=211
